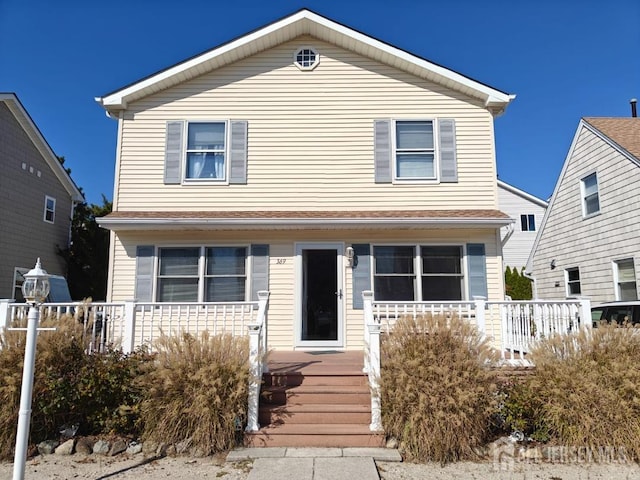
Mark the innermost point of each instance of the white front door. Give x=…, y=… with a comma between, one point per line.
x=319, y=295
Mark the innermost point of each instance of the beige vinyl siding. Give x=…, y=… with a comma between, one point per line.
x=515, y=252
x=591, y=244
x=310, y=136
x=282, y=275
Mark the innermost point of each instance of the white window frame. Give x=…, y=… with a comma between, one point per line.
x=583, y=196
x=306, y=68
x=225, y=152
x=418, y=270
x=436, y=152
x=616, y=277
x=202, y=274
x=569, y=282
x=18, y=280
x=47, y=210
x=527, y=219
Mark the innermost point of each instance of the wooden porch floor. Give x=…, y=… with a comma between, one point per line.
x=327, y=362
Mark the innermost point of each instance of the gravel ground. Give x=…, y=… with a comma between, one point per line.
x=57, y=467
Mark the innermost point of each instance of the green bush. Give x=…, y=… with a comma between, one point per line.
x=197, y=391
x=587, y=388
x=437, y=391
x=97, y=392
x=519, y=410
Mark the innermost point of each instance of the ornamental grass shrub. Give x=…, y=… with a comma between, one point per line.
x=587, y=388
x=98, y=393
x=197, y=391
x=437, y=389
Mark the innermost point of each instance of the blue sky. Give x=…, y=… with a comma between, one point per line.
x=564, y=59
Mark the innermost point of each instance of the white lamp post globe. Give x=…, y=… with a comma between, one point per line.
x=36, y=284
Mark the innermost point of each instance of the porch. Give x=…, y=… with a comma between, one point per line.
x=319, y=397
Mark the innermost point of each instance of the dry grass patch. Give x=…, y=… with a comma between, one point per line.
x=587, y=388
x=198, y=391
x=438, y=393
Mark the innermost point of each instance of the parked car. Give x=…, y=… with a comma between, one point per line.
x=619, y=312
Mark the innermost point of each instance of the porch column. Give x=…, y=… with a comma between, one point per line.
x=129, y=337
x=5, y=313
x=481, y=323
x=585, y=313
x=374, y=376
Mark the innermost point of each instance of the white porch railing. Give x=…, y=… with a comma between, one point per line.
x=512, y=327
x=129, y=325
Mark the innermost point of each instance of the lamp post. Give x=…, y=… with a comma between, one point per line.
x=35, y=289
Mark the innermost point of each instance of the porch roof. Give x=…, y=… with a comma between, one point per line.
x=295, y=219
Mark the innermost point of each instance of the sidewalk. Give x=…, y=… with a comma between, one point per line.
x=314, y=463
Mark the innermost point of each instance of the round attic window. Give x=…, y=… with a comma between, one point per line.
x=306, y=58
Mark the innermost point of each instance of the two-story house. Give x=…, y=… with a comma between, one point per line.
x=37, y=198
x=313, y=161
x=588, y=244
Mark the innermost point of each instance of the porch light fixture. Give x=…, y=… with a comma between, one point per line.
x=35, y=290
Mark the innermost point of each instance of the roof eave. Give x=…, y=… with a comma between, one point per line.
x=123, y=224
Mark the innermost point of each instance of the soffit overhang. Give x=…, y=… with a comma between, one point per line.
x=304, y=220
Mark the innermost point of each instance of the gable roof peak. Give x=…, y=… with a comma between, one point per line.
x=624, y=132
x=304, y=22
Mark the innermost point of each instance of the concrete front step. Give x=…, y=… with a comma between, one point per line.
x=315, y=413
x=315, y=435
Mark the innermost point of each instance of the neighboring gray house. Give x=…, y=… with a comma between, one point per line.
x=518, y=238
x=37, y=197
x=589, y=240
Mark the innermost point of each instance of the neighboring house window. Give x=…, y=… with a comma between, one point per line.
x=419, y=273
x=528, y=223
x=223, y=278
x=18, y=280
x=49, y=209
x=626, y=288
x=414, y=150
x=590, y=197
x=306, y=59
x=206, y=151
x=573, y=281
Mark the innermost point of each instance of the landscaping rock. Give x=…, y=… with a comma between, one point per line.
x=392, y=443
x=170, y=451
x=101, y=447
x=183, y=446
x=66, y=448
x=84, y=446
x=149, y=448
x=47, y=447
x=134, y=448
x=118, y=446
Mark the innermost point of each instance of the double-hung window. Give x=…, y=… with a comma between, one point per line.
x=415, y=150
x=206, y=151
x=222, y=278
x=590, y=195
x=626, y=280
x=49, y=209
x=421, y=273
x=573, y=281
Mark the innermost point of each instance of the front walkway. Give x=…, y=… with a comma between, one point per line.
x=314, y=463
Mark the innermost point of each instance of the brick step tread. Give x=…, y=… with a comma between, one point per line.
x=317, y=429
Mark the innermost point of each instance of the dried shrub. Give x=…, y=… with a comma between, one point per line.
x=588, y=388
x=438, y=391
x=197, y=391
x=70, y=387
